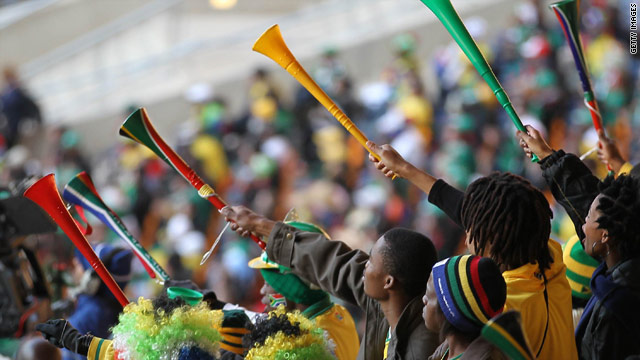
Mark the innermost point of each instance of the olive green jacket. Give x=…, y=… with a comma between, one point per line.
x=338, y=270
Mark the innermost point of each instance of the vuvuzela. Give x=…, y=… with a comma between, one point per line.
x=81, y=191
x=567, y=13
x=272, y=45
x=448, y=16
x=45, y=193
x=138, y=127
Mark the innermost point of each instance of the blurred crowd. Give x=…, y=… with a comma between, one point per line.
x=278, y=156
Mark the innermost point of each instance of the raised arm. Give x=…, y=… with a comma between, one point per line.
x=331, y=265
x=571, y=182
x=441, y=194
x=609, y=154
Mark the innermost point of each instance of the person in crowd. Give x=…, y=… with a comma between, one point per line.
x=387, y=284
x=464, y=292
x=96, y=308
x=284, y=335
x=509, y=221
x=16, y=105
x=610, y=233
x=163, y=328
x=574, y=187
x=282, y=287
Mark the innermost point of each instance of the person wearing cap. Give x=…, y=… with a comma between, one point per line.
x=463, y=294
x=96, y=308
x=176, y=325
x=387, y=284
x=314, y=304
x=508, y=220
x=580, y=268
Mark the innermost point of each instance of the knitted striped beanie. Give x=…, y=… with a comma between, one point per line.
x=580, y=267
x=470, y=290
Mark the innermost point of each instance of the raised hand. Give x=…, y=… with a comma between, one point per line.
x=246, y=222
x=533, y=143
x=608, y=152
x=391, y=163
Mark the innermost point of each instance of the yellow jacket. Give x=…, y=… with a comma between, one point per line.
x=338, y=323
x=525, y=293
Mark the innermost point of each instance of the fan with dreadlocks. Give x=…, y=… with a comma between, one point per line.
x=508, y=220
x=610, y=324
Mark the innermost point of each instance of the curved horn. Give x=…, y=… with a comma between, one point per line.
x=272, y=45
x=81, y=191
x=138, y=127
x=45, y=193
x=448, y=16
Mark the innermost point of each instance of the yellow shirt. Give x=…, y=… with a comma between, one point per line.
x=342, y=330
x=525, y=293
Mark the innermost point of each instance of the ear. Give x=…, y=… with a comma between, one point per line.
x=605, y=237
x=389, y=282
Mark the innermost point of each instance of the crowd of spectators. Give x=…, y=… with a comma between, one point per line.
x=278, y=156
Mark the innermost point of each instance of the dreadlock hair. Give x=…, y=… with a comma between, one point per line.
x=268, y=326
x=408, y=256
x=619, y=207
x=505, y=211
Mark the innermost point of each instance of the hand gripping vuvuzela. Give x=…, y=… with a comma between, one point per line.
x=81, y=191
x=45, y=193
x=448, y=16
x=138, y=127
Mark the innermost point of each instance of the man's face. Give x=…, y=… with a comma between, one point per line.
x=592, y=235
x=376, y=279
x=432, y=317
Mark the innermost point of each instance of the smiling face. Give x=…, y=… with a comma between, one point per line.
x=431, y=313
x=594, y=237
x=376, y=279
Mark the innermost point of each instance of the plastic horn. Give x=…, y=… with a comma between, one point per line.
x=448, y=16
x=138, y=127
x=567, y=12
x=44, y=193
x=81, y=191
x=272, y=45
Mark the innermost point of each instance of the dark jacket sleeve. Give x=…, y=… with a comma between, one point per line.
x=572, y=185
x=448, y=199
x=331, y=265
x=611, y=339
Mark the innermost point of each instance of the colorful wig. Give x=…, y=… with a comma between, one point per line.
x=286, y=336
x=146, y=332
